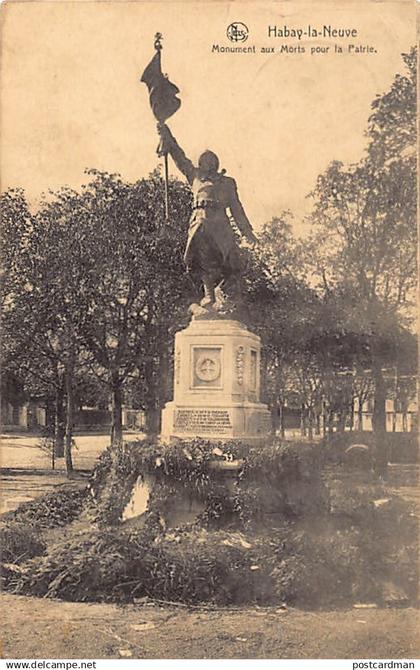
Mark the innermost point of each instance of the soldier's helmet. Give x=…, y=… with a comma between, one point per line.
x=208, y=162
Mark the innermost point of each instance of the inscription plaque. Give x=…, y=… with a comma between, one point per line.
x=206, y=420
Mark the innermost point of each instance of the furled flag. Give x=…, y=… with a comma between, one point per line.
x=162, y=93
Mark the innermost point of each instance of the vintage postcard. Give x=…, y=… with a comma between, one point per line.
x=209, y=358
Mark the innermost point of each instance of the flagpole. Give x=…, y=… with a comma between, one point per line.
x=158, y=47
x=164, y=103
x=165, y=157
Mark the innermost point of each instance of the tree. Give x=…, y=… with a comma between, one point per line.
x=94, y=286
x=283, y=310
x=365, y=220
x=137, y=283
x=23, y=355
x=47, y=307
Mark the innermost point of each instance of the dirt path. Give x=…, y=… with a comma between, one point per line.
x=35, y=628
x=22, y=451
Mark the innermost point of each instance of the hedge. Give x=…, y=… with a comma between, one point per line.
x=402, y=447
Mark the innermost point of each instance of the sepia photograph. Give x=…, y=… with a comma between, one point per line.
x=209, y=391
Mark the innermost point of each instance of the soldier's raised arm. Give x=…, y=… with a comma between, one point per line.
x=170, y=145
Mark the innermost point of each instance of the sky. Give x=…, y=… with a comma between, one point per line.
x=71, y=98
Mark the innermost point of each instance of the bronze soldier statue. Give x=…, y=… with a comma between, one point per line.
x=211, y=249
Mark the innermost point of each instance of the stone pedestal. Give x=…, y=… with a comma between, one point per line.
x=216, y=384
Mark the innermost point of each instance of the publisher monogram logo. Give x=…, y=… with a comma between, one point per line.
x=237, y=32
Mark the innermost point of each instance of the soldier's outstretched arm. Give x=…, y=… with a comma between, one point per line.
x=239, y=215
x=171, y=146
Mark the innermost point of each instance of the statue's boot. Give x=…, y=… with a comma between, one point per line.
x=209, y=295
x=229, y=298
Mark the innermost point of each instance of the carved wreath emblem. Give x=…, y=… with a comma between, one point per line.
x=207, y=369
x=240, y=362
x=177, y=365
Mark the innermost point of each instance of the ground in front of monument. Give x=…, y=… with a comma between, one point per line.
x=40, y=628
x=50, y=628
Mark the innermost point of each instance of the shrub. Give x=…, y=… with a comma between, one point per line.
x=111, y=484
x=50, y=510
x=19, y=542
x=287, y=477
x=313, y=566
x=351, y=504
x=402, y=447
x=324, y=569
x=273, y=533
x=201, y=567
x=282, y=461
x=116, y=565
x=83, y=569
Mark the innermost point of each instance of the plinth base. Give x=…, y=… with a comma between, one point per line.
x=216, y=384
x=250, y=423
